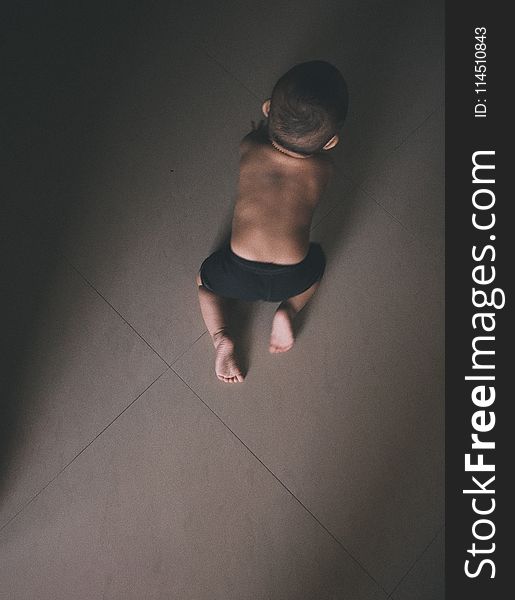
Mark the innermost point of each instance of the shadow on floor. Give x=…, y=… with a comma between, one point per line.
x=55, y=53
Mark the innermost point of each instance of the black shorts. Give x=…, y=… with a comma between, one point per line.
x=231, y=276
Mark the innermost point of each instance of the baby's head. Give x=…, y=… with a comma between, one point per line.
x=307, y=108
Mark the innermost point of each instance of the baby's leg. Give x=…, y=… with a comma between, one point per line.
x=212, y=307
x=281, y=338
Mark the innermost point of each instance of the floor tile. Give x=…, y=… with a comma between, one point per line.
x=426, y=580
x=410, y=183
x=170, y=494
x=351, y=419
x=78, y=366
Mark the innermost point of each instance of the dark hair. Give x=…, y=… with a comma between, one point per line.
x=308, y=106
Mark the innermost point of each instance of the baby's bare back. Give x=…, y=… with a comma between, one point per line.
x=277, y=196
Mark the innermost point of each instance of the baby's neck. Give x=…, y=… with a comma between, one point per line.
x=289, y=152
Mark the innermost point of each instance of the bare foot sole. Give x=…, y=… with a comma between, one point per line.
x=281, y=338
x=226, y=367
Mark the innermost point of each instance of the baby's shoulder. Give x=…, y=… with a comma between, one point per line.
x=256, y=137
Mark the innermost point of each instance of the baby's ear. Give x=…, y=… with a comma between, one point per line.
x=266, y=107
x=332, y=142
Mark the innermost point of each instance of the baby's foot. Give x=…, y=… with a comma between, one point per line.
x=226, y=368
x=281, y=338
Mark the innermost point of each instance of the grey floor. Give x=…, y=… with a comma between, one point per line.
x=128, y=470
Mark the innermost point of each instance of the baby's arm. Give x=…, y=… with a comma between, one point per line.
x=259, y=126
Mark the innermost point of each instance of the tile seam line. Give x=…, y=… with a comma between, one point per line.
x=187, y=349
x=414, y=236
x=59, y=255
x=168, y=365
x=391, y=215
x=361, y=189
x=202, y=48
x=338, y=542
x=81, y=451
x=417, y=127
x=114, y=309
x=415, y=562
x=369, y=194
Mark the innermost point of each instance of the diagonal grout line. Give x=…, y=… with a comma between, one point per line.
x=336, y=204
x=118, y=313
x=415, y=562
x=199, y=44
x=85, y=448
x=232, y=75
x=372, y=197
x=364, y=191
x=405, y=139
x=323, y=218
x=355, y=560
x=431, y=250
x=127, y=322
x=188, y=348
x=414, y=236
